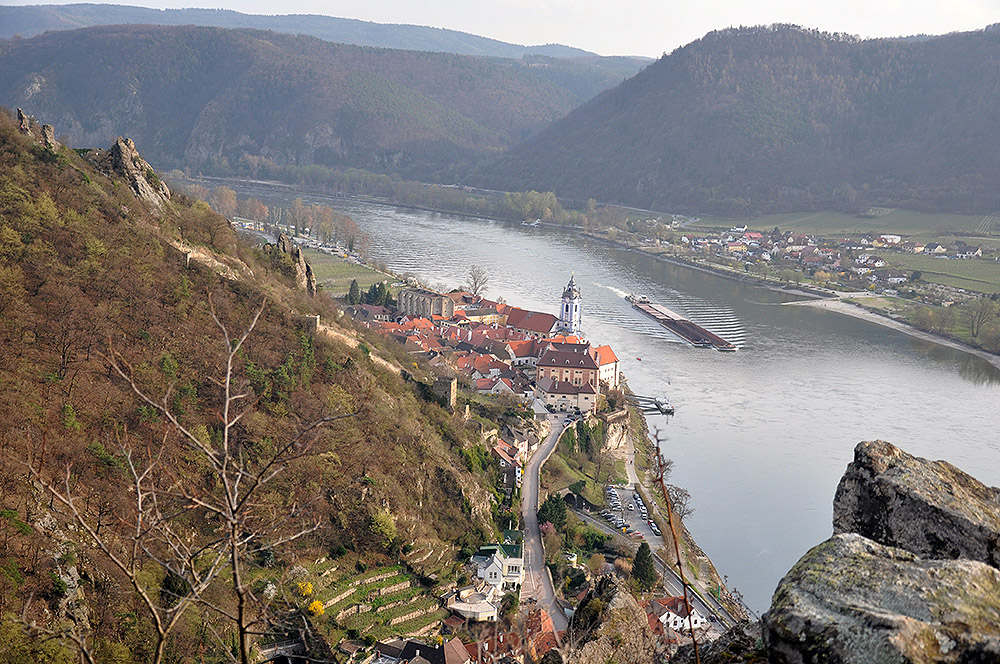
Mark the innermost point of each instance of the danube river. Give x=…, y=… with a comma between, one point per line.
x=761, y=436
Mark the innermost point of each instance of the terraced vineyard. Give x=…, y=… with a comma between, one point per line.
x=382, y=602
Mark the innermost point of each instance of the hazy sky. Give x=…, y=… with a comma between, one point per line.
x=638, y=27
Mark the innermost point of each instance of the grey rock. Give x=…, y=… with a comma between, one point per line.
x=852, y=601
x=305, y=279
x=23, y=122
x=123, y=161
x=49, y=136
x=929, y=508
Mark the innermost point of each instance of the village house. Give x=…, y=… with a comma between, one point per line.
x=607, y=362
x=968, y=251
x=888, y=276
x=537, y=637
x=673, y=612
x=410, y=651
x=576, y=368
x=500, y=565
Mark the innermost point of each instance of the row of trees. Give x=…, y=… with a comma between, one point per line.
x=980, y=318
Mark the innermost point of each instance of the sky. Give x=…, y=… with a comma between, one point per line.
x=628, y=27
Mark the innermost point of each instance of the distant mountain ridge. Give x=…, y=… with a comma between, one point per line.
x=32, y=20
x=204, y=97
x=780, y=118
x=581, y=72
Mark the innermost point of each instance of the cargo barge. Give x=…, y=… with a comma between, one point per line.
x=690, y=332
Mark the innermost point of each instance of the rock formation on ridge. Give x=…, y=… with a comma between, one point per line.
x=930, y=508
x=853, y=600
x=123, y=161
x=305, y=279
x=609, y=625
x=910, y=574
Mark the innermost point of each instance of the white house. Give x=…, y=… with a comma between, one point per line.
x=500, y=565
x=673, y=612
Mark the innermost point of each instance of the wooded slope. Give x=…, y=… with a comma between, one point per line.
x=209, y=97
x=781, y=118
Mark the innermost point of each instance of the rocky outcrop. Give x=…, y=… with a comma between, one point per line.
x=23, y=122
x=123, y=161
x=611, y=627
x=852, y=600
x=927, y=507
x=741, y=643
x=302, y=272
x=49, y=136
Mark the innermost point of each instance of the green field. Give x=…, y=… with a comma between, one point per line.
x=334, y=274
x=903, y=222
x=982, y=276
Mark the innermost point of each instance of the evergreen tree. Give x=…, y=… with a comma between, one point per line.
x=553, y=510
x=643, y=568
x=354, y=294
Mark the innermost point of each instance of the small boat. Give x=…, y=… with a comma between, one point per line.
x=639, y=359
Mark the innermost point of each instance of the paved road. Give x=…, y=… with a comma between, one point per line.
x=707, y=607
x=537, y=581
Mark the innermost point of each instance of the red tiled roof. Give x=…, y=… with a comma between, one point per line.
x=531, y=320
x=604, y=355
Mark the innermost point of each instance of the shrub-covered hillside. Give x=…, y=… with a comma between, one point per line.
x=149, y=505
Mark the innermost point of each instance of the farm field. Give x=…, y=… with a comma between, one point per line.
x=334, y=274
x=982, y=276
x=904, y=222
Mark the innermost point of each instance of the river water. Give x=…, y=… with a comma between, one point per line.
x=761, y=436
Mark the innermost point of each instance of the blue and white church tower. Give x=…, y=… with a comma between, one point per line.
x=570, y=312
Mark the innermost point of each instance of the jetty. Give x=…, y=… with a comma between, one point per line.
x=690, y=332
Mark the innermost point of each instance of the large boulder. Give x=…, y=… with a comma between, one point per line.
x=930, y=508
x=851, y=600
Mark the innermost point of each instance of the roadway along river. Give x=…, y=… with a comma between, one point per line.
x=761, y=436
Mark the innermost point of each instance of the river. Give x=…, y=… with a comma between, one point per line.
x=761, y=436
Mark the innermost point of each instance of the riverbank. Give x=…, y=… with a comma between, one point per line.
x=850, y=309
x=731, y=275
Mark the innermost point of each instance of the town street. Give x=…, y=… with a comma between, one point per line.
x=537, y=582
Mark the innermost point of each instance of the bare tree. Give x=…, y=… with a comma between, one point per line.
x=478, y=280
x=977, y=313
x=203, y=527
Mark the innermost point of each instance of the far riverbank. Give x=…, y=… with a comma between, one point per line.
x=851, y=309
x=819, y=299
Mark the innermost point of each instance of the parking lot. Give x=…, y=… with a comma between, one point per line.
x=628, y=513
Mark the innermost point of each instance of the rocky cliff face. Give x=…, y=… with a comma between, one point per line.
x=928, y=507
x=909, y=576
x=122, y=161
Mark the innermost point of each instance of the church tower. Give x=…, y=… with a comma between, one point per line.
x=569, y=313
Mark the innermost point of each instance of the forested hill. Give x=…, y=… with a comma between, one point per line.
x=587, y=72
x=781, y=118
x=207, y=97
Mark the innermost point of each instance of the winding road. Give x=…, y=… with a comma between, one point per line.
x=537, y=579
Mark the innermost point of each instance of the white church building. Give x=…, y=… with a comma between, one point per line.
x=570, y=311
